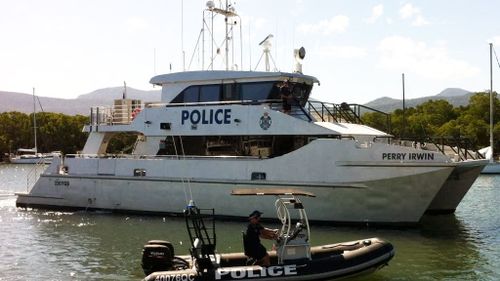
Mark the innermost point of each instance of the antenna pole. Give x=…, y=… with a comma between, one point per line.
x=203, y=42
x=491, y=102
x=241, y=44
x=124, y=90
x=249, y=47
x=182, y=37
x=154, y=61
x=227, y=37
x=404, y=107
x=212, y=39
x=34, y=119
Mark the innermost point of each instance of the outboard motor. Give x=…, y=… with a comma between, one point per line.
x=157, y=255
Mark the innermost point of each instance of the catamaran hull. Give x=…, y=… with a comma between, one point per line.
x=491, y=168
x=456, y=186
x=349, y=191
x=395, y=200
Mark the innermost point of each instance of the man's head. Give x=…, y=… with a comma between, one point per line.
x=254, y=216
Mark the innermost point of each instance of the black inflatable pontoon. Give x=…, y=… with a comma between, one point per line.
x=294, y=258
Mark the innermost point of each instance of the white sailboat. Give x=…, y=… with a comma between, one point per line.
x=31, y=155
x=493, y=166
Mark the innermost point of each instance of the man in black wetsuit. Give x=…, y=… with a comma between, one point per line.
x=286, y=97
x=255, y=231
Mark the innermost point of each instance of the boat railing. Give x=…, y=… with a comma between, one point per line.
x=460, y=148
x=153, y=157
x=122, y=112
x=34, y=173
x=207, y=103
x=341, y=113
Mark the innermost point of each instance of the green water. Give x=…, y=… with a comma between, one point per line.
x=46, y=245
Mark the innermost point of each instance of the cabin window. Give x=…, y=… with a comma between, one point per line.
x=139, y=172
x=191, y=94
x=258, y=176
x=165, y=126
x=230, y=92
x=256, y=91
x=301, y=92
x=209, y=93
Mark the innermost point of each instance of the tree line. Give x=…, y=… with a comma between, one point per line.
x=55, y=132
x=439, y=118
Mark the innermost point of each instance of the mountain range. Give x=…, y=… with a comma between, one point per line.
x=455, y=96
x=21, y=102
x=10, y=101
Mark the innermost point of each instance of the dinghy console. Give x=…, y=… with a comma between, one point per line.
x=293, y=242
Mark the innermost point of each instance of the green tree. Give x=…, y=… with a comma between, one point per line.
x=377, y=120
x=55, y=131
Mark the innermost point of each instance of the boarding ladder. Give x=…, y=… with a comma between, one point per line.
x=200, y=224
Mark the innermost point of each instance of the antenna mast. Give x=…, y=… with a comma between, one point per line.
x=34, y=119
x=124, y=96
x=182, y=37
x=229, y=13
x=227, y=36
x=491, y=102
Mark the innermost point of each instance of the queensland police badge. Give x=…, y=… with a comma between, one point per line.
x=265, y=121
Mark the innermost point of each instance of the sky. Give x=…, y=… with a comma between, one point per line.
x=357, y=49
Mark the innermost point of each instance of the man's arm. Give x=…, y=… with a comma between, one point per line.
x=268, y=233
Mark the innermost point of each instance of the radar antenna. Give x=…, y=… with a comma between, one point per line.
x=266, y=53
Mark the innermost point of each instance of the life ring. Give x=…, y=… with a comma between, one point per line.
x=135, y=112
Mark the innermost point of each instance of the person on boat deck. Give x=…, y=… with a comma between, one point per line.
x=255, y=231
x=286, y=97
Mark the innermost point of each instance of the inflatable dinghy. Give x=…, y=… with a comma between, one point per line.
x=293, y=259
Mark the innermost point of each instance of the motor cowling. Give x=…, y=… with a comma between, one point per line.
x=157, y=255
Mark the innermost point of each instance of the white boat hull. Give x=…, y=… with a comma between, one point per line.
x=456, y=186
x=348, y=191
x=383, y=201
x=491, y=168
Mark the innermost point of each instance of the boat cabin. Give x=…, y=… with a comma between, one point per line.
x=233, y=86
x=216, y=113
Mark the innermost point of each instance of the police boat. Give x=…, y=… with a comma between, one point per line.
x=293, y=259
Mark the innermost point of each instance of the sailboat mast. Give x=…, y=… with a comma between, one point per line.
x=491, y=102
x=34, y=118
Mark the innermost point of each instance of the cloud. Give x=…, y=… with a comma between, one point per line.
x=342, y=52
x=337, y=24
x=420, y=21
x=297, y=9
x=377, y=12
x=431, y=62
x=136, y=24
x=410, y=12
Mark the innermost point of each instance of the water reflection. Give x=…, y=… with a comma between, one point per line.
x=97, y=246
